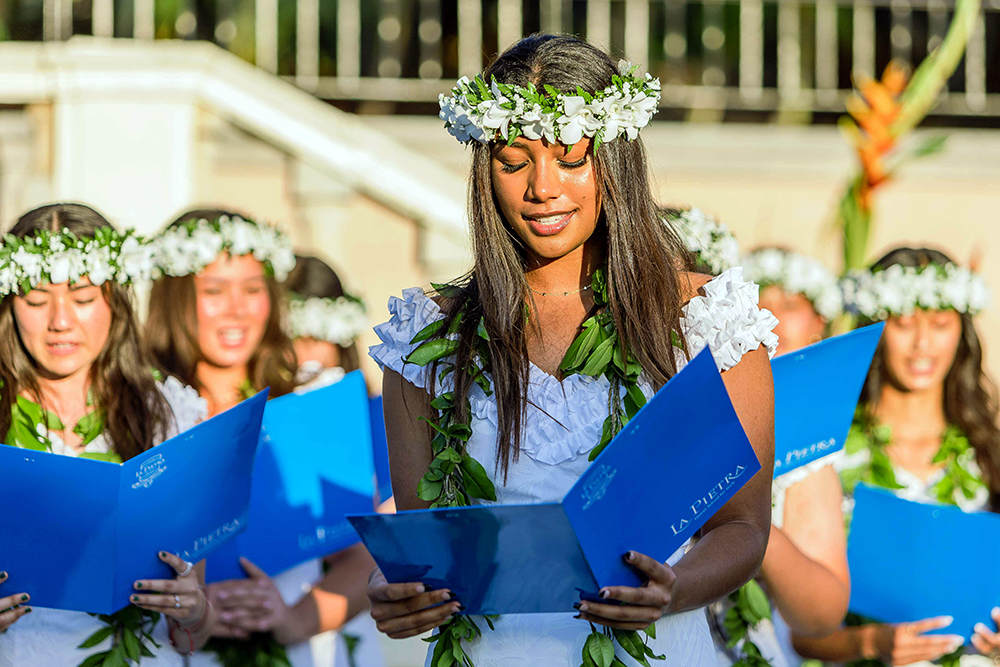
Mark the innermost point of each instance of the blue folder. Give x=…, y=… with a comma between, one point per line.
x=79, y=532
x=816, y=390
x=911, y=561
x=670, y=469
x=314, y=465
x=380, y=450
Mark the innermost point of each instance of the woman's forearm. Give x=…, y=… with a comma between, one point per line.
x=844, y=645
x=811, y=599
x=724, y=559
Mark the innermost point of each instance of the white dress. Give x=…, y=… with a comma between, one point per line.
x=563, y=423
x=50, y=636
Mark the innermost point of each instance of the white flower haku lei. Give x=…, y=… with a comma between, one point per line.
x=188, y=248
x=477, y=112
x=899, y=290
x=339, y=321
x=712, y=243
x=796, y=274
x=63, y=257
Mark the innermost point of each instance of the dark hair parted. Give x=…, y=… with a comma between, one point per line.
x=121, y=378
x=172, y=327
x=314, y=278
x=970, y=398
x=642, y=255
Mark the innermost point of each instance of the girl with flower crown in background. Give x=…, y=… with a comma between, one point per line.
x=926, y=428
x=804, y=571
x=565, y=236
x=216, y=322
x=76, y=380
x=324, y=323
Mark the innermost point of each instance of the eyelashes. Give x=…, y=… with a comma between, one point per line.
x=511, y=168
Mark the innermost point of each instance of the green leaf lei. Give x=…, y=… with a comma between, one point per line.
x=749, y=606
x=454, y=478
x=131, y=628
x=961, y=479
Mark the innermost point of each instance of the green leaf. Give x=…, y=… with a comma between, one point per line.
x=757, y=600
x=633, y=645
x=600, y=648
x=90, y=426
x=600, y=358
x=131, y=643
x=651, y=630
x=431, y=351
x=481, y=330
x=473, y=470
x=427, y=332
x=94, y=660
x=429, y=490
x=444, y=401
x=581, y=346
x=97, y=637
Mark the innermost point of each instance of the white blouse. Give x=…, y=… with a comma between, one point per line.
x=562, y=424
x=50, y=636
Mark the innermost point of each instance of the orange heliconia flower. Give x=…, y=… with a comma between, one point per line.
x=875, y=108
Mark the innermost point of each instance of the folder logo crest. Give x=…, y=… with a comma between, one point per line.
x=597, y=486
x=149, y=471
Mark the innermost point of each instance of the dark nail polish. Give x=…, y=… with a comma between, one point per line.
x=24, y=598
x=578, y=616
x=138, y=584
x=163, y=554
x=461, y=607
x=627, y=556
x=28, y=610
x=576, y=606
x=135, y=598
x=604, y=594
x=3, y=575
x=451, y=595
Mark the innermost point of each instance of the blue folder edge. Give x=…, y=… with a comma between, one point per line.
x=816, y=392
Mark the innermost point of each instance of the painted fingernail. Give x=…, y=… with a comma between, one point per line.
x=445, y=595
x=138, y=584
x=576, y=606
x=163, y=554
x=627, y=556
x=578, y=616
x=605, y=593
x=24, y=598
x=28, y=610
x=135, y=598
x=460, y=607
x=3, y=575
x=451, y=595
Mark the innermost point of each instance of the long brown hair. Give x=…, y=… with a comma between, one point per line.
x=642, y=255
x=970, y=398
x=314, y=278
x=121, y=379
x=172, y=328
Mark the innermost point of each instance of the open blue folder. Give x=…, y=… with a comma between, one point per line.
x=816, y=390
x=314, y=465
x=910, y=561
x=79, y=532
x=670, y=469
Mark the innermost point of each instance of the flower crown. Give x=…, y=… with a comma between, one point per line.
x=339, y=321
x=899, y=290
x=796, y=274
x=475, y=111
x=714, y=246
x=61, y=257
x=188, y=248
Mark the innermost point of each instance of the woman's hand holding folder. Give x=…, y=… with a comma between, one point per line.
x=407, y=610
x=12, y=606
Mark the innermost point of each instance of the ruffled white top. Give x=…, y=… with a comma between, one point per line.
x=563, y=423
x=50, y=636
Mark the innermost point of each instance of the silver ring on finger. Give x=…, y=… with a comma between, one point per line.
x=177, y=602
x=187, y=569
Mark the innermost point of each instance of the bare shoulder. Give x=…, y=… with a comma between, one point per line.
x=691, y=284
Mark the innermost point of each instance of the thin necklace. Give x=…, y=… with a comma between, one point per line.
x=576, y=291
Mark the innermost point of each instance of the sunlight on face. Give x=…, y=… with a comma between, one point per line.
x=920, y=348
x=799, y=324
x=233, y=307
x=548, y=196
x=63, y=327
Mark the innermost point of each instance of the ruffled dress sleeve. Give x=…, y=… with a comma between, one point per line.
x=409, y=314
x=187, y=406
x=728, y=320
